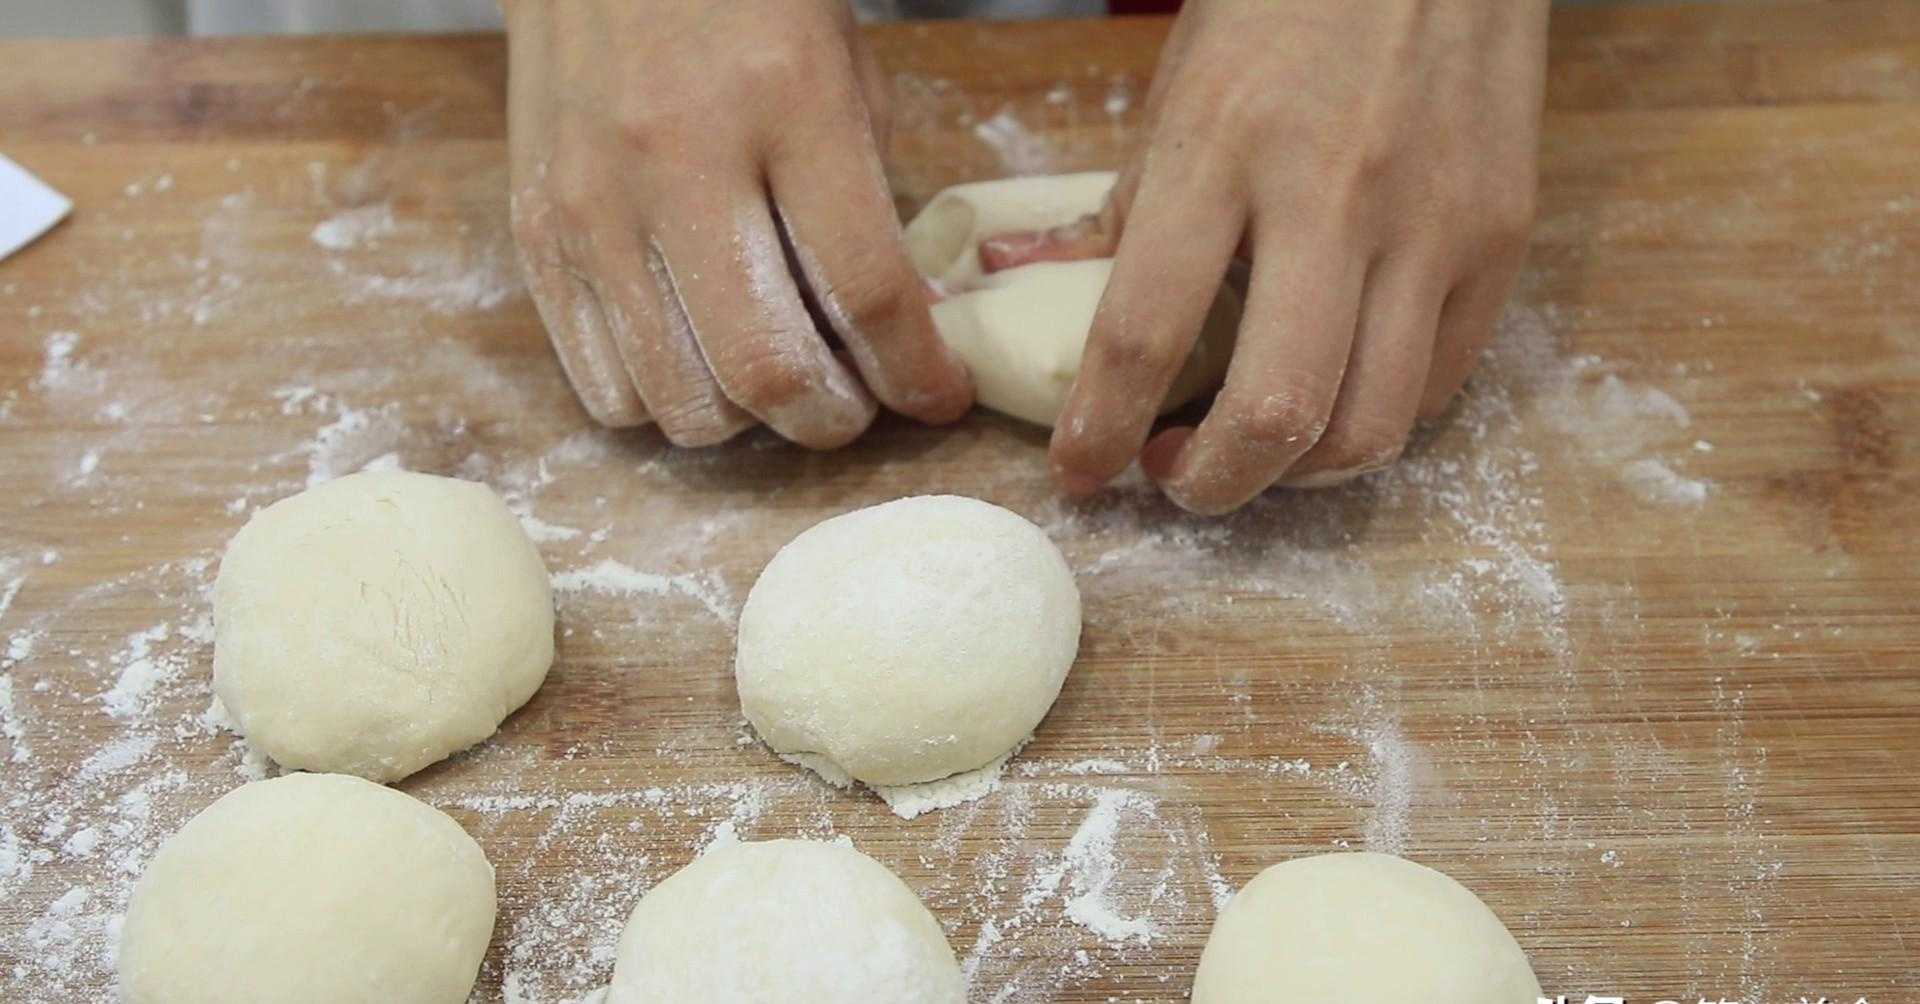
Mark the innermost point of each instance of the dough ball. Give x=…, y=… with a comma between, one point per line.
x=310, y=889
x=376, y=623
x=908, y=641
x=1021, y=331
x=1363, y=929
x=793, y=921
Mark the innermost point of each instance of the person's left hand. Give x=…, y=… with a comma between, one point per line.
x=1376, y=163
x=686, y=175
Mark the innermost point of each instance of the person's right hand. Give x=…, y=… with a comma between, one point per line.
x=681, y=172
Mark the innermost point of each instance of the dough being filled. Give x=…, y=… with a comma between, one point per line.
x=908, y=641
x=1363, y=929
x=310, y=889
x=1022, y=331
x=943, y=239
x=793, y=921
x=377, y=623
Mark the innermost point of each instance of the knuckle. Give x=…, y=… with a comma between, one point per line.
x=1454, y=198
x=1493, y=216
x=872, y=296
x=1335, y=189
x=1207, y=103
x=643, y=123
x=777, y=62
x=1510, y=211
x=536, y=238
x=1247, y=111
x=695, y=421
x=610, y=408
x=1367, y=160
x=1289, y=419
x=764, y=379
x=1135, y=352
x=573, y=200
x=530, y=220
x=609, y=402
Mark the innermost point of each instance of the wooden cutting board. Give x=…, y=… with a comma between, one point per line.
x=1628, y=643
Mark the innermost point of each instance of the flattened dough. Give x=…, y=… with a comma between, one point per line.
x=1021, y=331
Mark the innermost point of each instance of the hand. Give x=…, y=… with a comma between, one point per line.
x=687, y=179
x=1376, y=163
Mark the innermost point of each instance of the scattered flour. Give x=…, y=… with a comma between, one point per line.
x=352, y=441
x=614, y=578
x=1091, y=868
x=443, y=283
x=11, y=588
x=1655, y=483
x=355, y=228
x=388, y=461
x=294, y=398
x=12, y=728
x=910, y=800
x=58, y=370
x=1021, y=150
x=116, y=756
x=82, y=471
x=1397, y=771
x=544, y=532
x=143, y=666
x=1095, y=765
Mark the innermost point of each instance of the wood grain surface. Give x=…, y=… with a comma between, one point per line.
x=1629, y=643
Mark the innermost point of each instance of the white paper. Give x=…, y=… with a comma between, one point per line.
x=27, y=207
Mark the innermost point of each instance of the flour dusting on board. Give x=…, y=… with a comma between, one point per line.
x=1092, y=869
x=445, y=283
x=1064, y=872
x=353, y=228
x=910, y=800
x=1076, y=865
x=615, y=578
x=1652, y=481
x=1021, y=150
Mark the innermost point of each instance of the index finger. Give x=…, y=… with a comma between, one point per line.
x=1177, y=240
x=832, y=198
x=1287, y=369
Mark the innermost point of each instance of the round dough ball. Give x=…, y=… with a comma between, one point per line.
x=1364, y=929
x=310, y=889
x=379, y=622
x=794, y=921
x=1021, y=332
x=909, y=641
